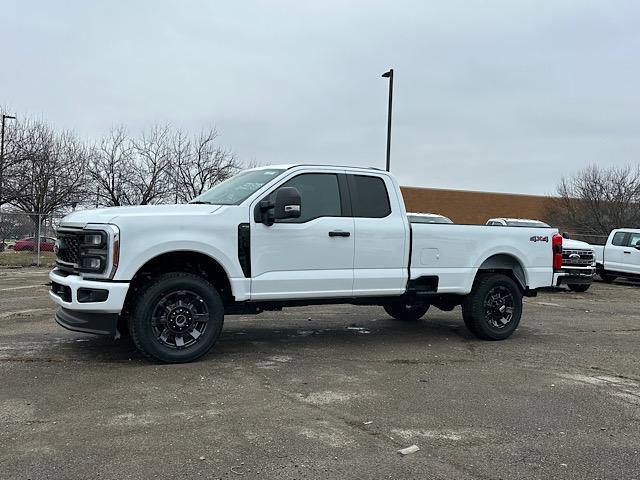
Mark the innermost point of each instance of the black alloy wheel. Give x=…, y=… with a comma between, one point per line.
x=177, y=318
x=180, y=319
x=498, y=307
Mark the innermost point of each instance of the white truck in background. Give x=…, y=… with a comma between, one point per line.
x=620, y=256
x=428, y=218
x=578, y=261
x=273, y=237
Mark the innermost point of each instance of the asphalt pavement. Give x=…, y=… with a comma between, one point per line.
x=328, y=392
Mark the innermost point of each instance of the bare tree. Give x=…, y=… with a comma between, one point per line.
x=110, y=168
x=202, y=164
x=52, y=169
x=46, y=171
x=162, y=165
x=597, y=200
x=9, y=162
x=150, y=182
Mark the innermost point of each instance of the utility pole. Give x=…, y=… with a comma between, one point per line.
x=389, y=75
x=4, y=117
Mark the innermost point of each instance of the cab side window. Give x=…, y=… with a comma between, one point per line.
x=634, y=238
x=369, y=196
x=319, y=194
x=618, y=239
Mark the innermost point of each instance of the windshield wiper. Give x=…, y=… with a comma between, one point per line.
x=200, y=202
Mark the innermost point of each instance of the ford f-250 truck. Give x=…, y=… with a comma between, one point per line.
x=280, y=236
x=620, y=257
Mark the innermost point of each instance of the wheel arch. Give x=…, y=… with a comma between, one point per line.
x=507, y=264
x=188, y=261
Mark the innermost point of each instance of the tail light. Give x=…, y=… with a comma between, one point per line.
x=556, y=245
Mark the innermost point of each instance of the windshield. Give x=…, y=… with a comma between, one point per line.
x=526, y=223
x=238, y=188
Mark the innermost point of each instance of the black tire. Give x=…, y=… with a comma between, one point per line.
x=406, y=312
x=170, y=338
x=579, y=287
x=606, y=277
x=493, y=309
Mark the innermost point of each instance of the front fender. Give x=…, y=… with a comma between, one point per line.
x=131, y=262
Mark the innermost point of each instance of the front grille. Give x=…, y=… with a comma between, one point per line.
x=68, y=249
x=577, y=258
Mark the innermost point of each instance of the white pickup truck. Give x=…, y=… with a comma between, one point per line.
x=280, y=236
x=620, y=257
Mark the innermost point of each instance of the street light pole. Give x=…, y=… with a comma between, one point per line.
x=4, y=117
x=389, y=75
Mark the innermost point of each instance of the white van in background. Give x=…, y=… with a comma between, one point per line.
x=428, y=218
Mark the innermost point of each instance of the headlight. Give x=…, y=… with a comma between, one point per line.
x=92, y=264
x=99, y=251
x=94, y=239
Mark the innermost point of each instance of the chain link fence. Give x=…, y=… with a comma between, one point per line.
x=27, y=239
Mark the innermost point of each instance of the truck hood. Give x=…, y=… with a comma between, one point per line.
x=109, y=215
x=575, y=244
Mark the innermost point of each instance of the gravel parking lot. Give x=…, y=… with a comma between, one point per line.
x=328, y=392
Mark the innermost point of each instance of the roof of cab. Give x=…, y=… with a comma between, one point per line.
x=288, y=166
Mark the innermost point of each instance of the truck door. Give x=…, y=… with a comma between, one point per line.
x=380, y=261
x=310, y=256
x=614, y=252
x=631, y=254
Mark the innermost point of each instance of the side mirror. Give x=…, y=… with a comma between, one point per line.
x=565, y=234
x=287, y=203
x=264, y=212
x=637, y=246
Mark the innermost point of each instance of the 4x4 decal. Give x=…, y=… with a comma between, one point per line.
x=539, y=239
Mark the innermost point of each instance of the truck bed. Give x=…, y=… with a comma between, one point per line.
x=453, y=253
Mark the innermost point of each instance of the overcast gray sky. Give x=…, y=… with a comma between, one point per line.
x=489, y=95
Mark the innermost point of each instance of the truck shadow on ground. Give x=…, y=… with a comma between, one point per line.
x=251, y=339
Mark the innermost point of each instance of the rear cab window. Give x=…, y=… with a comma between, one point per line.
x=369, y=196
x=634, y=238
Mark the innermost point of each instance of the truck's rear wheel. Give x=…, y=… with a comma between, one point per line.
x=579, y=287
x=406, y=311
x=177, y=319
x=493, y=309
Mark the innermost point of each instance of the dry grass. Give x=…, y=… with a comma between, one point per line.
x=26, y=259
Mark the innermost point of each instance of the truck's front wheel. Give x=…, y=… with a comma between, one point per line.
x=493, y=309
x=177, y=319
x=606, y=277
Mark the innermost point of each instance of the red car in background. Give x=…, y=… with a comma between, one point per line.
x=29, y=244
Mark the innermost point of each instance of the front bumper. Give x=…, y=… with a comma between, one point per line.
x=117, y=293
x=574, y=276
x=99, y=317
x=88, y=322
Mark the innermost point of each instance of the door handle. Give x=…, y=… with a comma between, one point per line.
x=627, y=251
x=339, y=233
